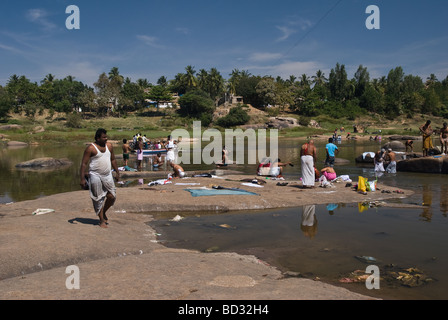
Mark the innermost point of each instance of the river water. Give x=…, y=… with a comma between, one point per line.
x=396, y=238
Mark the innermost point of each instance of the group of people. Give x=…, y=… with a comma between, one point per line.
x=96, y=170
x=308, y=157
x=427, y=132
x=385, y=161
x=99, y=181
x=141, y=143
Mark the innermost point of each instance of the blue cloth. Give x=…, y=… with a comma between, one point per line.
x=218, y=192
x=331, y=147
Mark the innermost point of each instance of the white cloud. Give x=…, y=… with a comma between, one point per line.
x=293, y=25
x=264, y=56
x=39, y=16
x=150, y=41
x=286, y=32
x=184, y=31
x=288, y=68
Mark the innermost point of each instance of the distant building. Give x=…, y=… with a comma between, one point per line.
x=230, y=99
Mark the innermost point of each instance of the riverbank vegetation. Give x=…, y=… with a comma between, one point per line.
x=69, y=108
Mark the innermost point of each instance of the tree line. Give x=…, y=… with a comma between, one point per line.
x=200, y=92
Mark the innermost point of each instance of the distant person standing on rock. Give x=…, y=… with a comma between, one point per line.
x=444, y=138
x=100, y=180
x=308, y=155
x=426, y=131
x=126, y=151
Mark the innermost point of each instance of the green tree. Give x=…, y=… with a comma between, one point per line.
x=319, y=79
x=362, y=79
x=22, y=92
x=5, y=103
x=393, y=92
x=267, y=91
x=162, y=81
x=196, y=104
x=190, y=77
x=159, y=94
x=132, y=95
x=338, y=83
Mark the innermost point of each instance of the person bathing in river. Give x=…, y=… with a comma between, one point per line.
x=392, y=166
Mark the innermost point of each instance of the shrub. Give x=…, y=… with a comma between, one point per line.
x=237, y=116
x=73, y=120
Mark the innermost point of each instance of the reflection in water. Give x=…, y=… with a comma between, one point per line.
x=444, y=199
x=309, y=221
x=427, y=202
x=331, y=207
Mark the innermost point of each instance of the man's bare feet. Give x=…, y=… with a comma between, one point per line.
x=103, y=224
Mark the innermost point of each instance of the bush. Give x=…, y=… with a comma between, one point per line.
x=73, y=120
x=237, y=116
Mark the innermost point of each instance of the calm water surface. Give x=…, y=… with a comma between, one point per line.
x=401, y=237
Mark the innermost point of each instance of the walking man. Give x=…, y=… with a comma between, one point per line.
x=100, y=180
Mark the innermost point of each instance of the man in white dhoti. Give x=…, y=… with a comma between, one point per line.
x=308, y=157
x=100, y=180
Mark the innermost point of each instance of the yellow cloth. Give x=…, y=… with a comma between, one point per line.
x=427, y=142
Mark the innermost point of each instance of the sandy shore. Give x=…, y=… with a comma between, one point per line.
x=125, y=261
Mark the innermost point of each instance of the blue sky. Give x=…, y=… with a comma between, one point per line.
x=148, y=39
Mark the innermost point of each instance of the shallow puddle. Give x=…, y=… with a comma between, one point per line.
x=323, y=241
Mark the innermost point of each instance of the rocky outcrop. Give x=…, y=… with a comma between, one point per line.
x=397, y=137
x=433, y=164
x=368, y=158
x=16, y=144
x=282, y=123
x=44, y=163
x=395, y=146
x=10, y=127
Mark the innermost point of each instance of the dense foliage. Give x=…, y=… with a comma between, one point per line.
x=337, y=96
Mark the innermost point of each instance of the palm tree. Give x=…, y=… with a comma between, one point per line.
x=69, y=78
x=162, y=81
x=319, y=78
x=190, y=78
x=202, y=79
x=431, y=80
x=292, y=79
x=216, y=84
x=49, y=78
x=305, y=80
x=143, y=83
